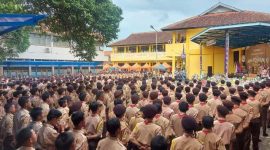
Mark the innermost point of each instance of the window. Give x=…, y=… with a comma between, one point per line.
x=145, y=48
x=160, y=48
x=132, y=49
x=180, y=37
x=120, y=49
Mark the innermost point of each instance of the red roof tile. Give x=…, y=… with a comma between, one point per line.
x=144, y=38
x=219, y=19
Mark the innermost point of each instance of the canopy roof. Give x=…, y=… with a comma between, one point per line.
x=166, y=65
x=106, y=66
x=241, y=35
x=10, y=22
x=146, y=66
x=126, y=66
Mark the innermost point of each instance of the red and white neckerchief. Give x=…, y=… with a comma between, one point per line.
x=181, y=115
x=205, y=131
x=221, y=120
x=146, y=122
x=202, y=103
x=243, y=102
x=157, y=116
x=235, y=106
x=190, y=106
x=132, y=105
x=178, y=101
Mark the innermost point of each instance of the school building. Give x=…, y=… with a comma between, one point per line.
x=221, y=40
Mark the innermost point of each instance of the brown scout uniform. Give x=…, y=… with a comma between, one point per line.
x=186, y=142
x=176, y=125
x=144, y=132
x=134, y=120
x=25, y=148
x=131, y=111
x=46, y=137
x=167, y=112
x=203, y=110
x=6, y=127
x=143, y=102
x=163, y=122
x=45, y=110
x=175, y=106
x=36, y=126
x=111, y=143
x=80, y=140
x=213, y=103
x=125, y=132
x=210, y=140
x=85, y=109
x=36, y=101
x=21, y=120
x=65, y=116
x=224, y=130
x=94, y=124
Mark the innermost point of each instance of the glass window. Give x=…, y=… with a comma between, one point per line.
x=160, y=48
x=145, y=48
x=132, y=49
x=120, y=49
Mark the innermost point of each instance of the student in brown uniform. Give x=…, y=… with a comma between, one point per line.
x=143, y=133
x=163, y=122
x=255, y=121
x=167, y=112
x=174, y=105
x=119, y=111
x=112, y=141
x=22, y=117
x=84, y=107
x=207, y=137
x=26, y=139
x=45, y=105
x=37, y=118
x=94, y=125
x=247, y=108
x=214, y=102
x=192, y=111
x=203, y=109
x=6, y=127
x=48, y=134
x=80, y=139
x=236, y=121
x=176, y=119
x=136, y=119
x=35, y=98
x=245, y=120
x=223, y=128
x=65, y=141
x=62, y=102
x=187, y=141
x=132, y=109
x=144, y=100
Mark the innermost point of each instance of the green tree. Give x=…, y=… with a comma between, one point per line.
x=82, y=23
x=17, y=41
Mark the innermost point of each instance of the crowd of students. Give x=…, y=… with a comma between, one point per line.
x=132, y=111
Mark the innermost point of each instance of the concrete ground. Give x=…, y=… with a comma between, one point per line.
x=265, y=144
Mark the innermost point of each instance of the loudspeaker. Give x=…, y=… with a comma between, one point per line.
x=209, y=71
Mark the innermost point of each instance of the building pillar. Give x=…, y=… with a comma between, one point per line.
x=72, y=70
x=173, y=66
x=1, y=71
x=174, y=38
x=227, y=49
x=52, y=70
x=89, y=69
x=29, y=71
x=201, y=60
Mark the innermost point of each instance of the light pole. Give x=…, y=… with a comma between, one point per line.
x=156, y=41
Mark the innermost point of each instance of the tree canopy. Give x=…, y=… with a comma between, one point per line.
x=82, y=23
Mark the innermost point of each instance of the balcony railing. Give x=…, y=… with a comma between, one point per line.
x=144, y=56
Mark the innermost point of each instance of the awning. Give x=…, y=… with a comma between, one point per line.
x=166, y=65
x=135, y=67
x=106, y=67
x=10, y=22
x=241, y=35
x=146, y=66
x=126, y=66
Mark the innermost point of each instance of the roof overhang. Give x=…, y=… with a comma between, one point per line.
x=241, y=35
x=10, y=22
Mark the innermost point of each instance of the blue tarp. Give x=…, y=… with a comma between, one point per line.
x=160, y=67
x=11, y=22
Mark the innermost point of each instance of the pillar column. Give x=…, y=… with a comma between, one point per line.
x=72, y=70
x=29, y=71
x=52, y=70
x=173, y=66
x=1, y=71
x=200, y=59
x=89, y=69
x=227, y=49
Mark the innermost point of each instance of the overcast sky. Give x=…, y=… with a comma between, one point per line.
x=140, y=14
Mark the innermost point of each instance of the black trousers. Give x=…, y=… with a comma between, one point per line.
x=246, y=138
x=255, y=125
x=264, y=112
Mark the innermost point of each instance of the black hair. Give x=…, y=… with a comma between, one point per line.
x=208, y=122
x=178, y=95
x=117, y=101
x=33, y=91
x=35, y=113
x=189, y=124
x=159, y=143
x=243, y=96
x=77, y=117
x=223, y=96
x=8, y=106
x=178, y=89
x=183, y=106
x=82, y=96
x=149, y=111
x=135, y=98
x=216, y=93
x=236, y=100
x=159, y=107
x=202, y=97
x=252, y=93
x=60, y=91
x=23, y=136
x=167, y=100
x=187, y=89
x=113, y=125
x=62, y=101
x=119, y=110
x=153, y=95
x=228, y=104
x=64, y=141
x=53, y=113
x=145, y=94
x=195, y=91
x=165, y=93
x=222, y=110
x=190, y=98
x=232, y=90
x=236, y=82
x=45, y=96
x=23, y=101
x=93, y=106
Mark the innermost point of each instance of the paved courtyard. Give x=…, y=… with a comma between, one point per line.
x=265, y=144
